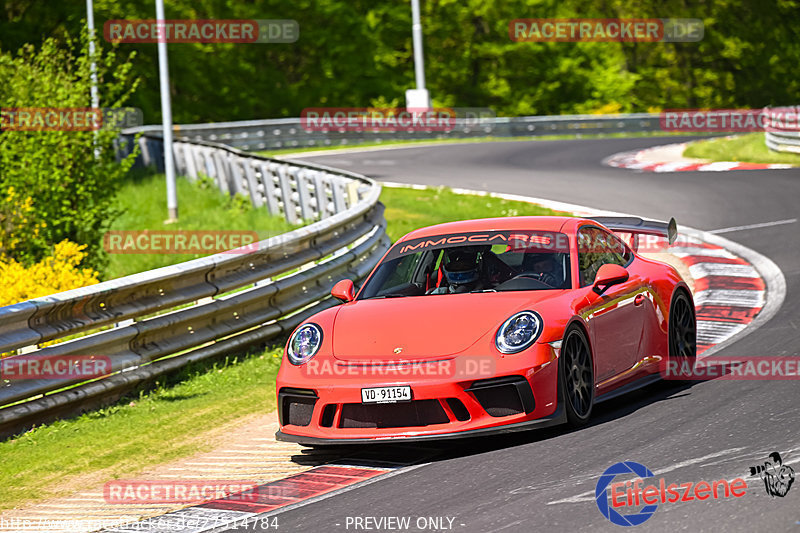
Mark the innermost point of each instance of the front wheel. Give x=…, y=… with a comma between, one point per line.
x=577, y=377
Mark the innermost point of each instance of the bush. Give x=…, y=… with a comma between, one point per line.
x=55, y=273
x=63, y=190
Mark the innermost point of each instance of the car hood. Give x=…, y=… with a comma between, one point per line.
x=423, y=327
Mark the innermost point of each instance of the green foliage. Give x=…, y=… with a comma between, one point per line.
x=355, y=52
x=71, y=191
x=749, y=148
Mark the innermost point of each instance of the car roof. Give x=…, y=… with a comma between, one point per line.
x=532, y=223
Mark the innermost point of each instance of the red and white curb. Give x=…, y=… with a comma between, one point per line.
x=239, y=510
x=646, y=161
x=729, y=291
x=256, y=508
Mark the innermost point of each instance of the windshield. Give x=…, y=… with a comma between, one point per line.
x=473, y=262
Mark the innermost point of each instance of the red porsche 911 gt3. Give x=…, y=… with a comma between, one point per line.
x=486, y=326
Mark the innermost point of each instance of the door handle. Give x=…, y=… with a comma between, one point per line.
x=639, y=300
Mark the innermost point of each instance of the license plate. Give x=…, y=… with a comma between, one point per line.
x=386, y=394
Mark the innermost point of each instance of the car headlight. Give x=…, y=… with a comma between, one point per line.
x=304, y=344
x=518, y=332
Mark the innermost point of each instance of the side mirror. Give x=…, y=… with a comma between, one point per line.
x=344, y=290
x=609, y=275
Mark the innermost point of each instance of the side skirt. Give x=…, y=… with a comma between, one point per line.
x=630, y=387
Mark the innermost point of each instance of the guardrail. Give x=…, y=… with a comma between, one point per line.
x=254, y=135
x=155, y=322
x=783, y=134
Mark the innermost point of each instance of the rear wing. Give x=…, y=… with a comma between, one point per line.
x=637, y=226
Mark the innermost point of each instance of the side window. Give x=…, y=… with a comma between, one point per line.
x=596, y=248
x=589, y=257
x=617, y=253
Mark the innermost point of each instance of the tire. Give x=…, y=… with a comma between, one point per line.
x=576, y=377
x=682, y=333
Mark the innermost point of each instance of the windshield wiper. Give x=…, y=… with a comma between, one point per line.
x=393, y=295
x=482, y=290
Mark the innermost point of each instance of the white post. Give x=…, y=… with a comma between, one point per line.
x=417, y=98
x=92, y=66
x=166, y=114
x=416, y=35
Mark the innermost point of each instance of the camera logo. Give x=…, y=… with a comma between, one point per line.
x=602, y=498
x=777, y=477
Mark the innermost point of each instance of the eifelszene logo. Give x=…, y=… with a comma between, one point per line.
x=612, y=497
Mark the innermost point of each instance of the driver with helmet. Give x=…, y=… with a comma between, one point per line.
x=462, y=270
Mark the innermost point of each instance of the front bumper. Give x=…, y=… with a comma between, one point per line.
x=557, y=418
x=519, y=392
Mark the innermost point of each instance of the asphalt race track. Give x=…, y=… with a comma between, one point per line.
x=545, y=481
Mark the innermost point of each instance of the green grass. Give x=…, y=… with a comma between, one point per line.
x=408, y=209
x=179, y=418
x=165, y=424
x=749, y=148
x=395, y=142
x=200, y=207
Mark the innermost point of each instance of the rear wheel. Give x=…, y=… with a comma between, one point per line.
x=682, y=334
x=577, y=377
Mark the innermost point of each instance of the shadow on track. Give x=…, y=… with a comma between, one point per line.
x=396, y=455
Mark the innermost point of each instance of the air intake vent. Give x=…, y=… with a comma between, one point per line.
x=393, y=415
x=328, y=415
x=505, y=396
x=296, y=406
x=461, y=413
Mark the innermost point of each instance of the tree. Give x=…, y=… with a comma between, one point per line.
x=64, y=180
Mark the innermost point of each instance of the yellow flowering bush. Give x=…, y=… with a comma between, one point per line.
x=55, y=273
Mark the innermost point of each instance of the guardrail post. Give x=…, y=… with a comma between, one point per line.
x=287, y=195
x=256, y=195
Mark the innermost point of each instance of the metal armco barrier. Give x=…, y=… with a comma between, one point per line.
x=270, y=134
x=783, y=134
x=157, y=321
